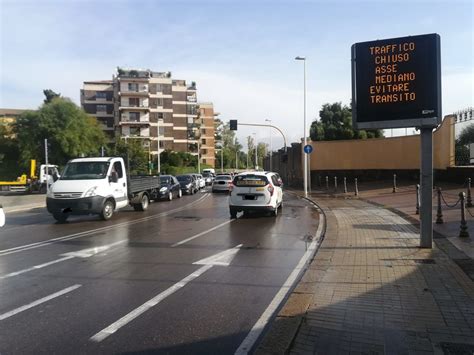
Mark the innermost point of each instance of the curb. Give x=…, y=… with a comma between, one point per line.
x=286, y=323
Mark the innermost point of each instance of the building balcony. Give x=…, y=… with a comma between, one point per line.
x=134, y=123
x=134, y=107
x=143, y=93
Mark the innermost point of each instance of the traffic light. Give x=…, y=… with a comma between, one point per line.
x=233, y=125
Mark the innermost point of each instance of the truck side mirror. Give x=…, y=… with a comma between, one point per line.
x=113, y=177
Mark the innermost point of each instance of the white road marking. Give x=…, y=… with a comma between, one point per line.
x=36, y=267
x=87, y=253
x=92, y=231
x=84, y=253
x=111, y=329
x=223, y=259
x=37, y=302
x=202, y=233
x=258, y=327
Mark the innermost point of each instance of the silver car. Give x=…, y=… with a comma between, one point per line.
x=222, y=183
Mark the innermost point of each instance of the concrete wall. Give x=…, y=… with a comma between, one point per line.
x=398, y=153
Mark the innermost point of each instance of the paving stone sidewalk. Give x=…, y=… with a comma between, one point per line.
x=371, y=290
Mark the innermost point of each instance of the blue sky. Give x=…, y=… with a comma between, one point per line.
x=240, y=53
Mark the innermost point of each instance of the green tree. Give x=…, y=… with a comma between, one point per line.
x=335, y=123
x=50, y=95
x=262, y=149
x=9, y=155
x=133, y=153
x=466, y=136
x=70, y=132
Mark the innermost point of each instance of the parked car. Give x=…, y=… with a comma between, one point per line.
x=222, y=183
x=188, y=183
x=201, y=180
x=208, y=178
x=170, y=187
x=256, y=191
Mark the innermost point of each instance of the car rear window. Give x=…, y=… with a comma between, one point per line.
x=250, y=180
x=223, y=177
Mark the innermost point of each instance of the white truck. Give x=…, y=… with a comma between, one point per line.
x=99, y=186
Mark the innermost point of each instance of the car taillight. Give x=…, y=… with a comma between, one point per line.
x=271, y=189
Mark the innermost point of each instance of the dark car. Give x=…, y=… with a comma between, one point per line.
x=188, y=183
x=170, y=187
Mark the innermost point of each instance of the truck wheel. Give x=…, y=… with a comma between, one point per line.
x=60, y=216
x=143, y=205
x=170, y=196
x=107, y=210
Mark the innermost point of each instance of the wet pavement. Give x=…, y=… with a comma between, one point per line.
x=179, y=278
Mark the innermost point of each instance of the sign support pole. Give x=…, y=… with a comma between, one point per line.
x=426, y=180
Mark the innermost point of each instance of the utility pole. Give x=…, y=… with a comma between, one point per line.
x=256, y=151
x=271, y=148
x=46, y=162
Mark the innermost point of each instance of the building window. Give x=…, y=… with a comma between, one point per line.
x=134, y=116
x=134, y=131
x=133, y=101
x=162, y=144
x=101, y=95
x=102, y=108
x=159, y=102
x=203, y=131
x=161, y=131
x=133, y=87
x=203, y=141
x=161, y=115
x=110, y=122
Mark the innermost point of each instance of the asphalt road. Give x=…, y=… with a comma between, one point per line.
x=179, y=278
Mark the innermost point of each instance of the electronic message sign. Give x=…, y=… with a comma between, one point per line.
x=397, y=82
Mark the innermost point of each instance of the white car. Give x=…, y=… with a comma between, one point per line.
x=202, y=181
x=222, y=183
x=256, y=191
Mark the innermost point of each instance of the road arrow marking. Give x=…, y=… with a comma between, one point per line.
x=84, y=253
x=87, y=253
x=222, y=259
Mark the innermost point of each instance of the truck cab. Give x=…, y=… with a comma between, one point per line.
x=89, y=186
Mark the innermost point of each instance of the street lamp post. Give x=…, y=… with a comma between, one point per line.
x=158, y=142
x=305, y=178
x=256, y=151
x=271, y=148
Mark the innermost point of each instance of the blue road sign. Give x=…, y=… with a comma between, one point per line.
x=308, y=149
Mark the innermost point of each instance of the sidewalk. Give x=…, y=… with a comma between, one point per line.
x=370, y=289
x=20, y=202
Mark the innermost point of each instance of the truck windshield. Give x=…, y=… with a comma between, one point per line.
x=85, y=170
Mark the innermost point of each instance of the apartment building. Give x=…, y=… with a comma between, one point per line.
x=207, y=128
x=97, y=99
x=151, y=106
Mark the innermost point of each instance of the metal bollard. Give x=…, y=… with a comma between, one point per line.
x=469, y=200
x=335, y=183
x=356, y=188
x=463, y=233
x=439, y=214
x=417, y=198
x=345, y=185
x=327, y=182
x=394, y=183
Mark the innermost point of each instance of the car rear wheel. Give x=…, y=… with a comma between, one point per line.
x=275, y=212
x=143, y=205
